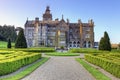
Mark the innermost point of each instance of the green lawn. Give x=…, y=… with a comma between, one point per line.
x=97, y=74
x=3, y=44
x=62, y=54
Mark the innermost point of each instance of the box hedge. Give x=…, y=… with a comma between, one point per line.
x=13, y=62
x=111, y=66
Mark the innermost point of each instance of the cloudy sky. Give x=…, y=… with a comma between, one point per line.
x=105, y=13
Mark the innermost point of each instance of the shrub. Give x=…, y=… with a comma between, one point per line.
x=16, y=60
x=37, y=49
x=84, y=50
x=9, y=43
x=109, y=65
x=21, y=41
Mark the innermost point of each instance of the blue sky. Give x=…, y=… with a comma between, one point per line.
x=105, y=13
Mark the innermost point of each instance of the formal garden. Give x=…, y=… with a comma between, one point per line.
x=12, y=58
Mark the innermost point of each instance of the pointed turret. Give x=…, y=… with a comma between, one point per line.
x=47, y=10
x=62, y=20
x=47, y=16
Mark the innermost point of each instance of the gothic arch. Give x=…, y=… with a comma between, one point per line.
x=74, y=44
x=89, y=44
x=84, y=44
x=78, y=43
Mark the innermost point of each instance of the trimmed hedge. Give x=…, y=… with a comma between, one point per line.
x=40, y=50
x=109, y=65
x=27, y=70
x=36, y=50
x=84, y=50
x=13, y=63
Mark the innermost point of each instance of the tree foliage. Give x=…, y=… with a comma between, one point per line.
x=9, y=43
x=7, y=32
x=21, y=41
x=119, y=46
x=105, y=42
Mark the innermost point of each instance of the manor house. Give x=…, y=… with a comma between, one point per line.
x=57, y=33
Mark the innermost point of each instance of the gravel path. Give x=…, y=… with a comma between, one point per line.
x=60, y=68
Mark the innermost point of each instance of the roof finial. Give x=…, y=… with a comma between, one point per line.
x=47, y=8
x=27, y=18
x=62, y=17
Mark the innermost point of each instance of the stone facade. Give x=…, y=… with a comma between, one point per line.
x=57, y=33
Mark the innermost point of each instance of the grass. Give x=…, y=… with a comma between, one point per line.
x=62, y=54
x=97, y=74
x=115, y=50
x=3, y=44
x=27, y=71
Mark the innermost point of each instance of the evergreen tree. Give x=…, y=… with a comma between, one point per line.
x=9, y=43
x=119, y=46
x=101, y=44
x=21, y=41
x=6, y=32
x=105, y=42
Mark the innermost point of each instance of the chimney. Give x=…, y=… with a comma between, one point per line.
x=67, y=20
x=79, y=21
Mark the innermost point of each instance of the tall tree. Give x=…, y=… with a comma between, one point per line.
x=21, y=41
x=9, y=43
x=105, y=42
x=119, y=46
x=7, y=32
x=101, y=44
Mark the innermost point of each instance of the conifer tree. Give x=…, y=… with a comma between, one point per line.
x=21, y=41
x=119, y=46
x=9, y=43
x=101, y=44
x=105, y=42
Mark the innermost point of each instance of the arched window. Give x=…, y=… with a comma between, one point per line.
x=78, y=42
x=70, y=43
x=78, y=45
x=74, y=42
x=84, y=45
x=74, y=45
x=89, y=44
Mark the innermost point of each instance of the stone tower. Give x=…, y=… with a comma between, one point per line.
x=36, y=31
x=47, y=16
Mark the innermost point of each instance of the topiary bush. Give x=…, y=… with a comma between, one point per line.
x=21, y=41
